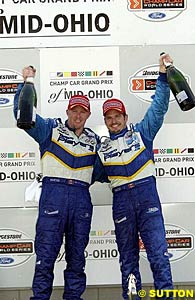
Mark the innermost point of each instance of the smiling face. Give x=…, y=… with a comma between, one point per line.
x=77, y=116
x=115, y=121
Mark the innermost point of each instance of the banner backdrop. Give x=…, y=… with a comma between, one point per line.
x=93, y=72
x=19, y=164
x=174, y=152
x=128, y=71
x=103, y=72
x=44, y=23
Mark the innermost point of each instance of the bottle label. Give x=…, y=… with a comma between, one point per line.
x=182, y=96
x=34, y=114
x=30, y=79
x=18, y=114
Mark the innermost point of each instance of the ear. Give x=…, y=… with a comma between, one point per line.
x=67, y=112
x=89, y=114
x=126, y=118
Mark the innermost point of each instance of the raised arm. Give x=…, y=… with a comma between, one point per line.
x=43, y=127
x=154, y=116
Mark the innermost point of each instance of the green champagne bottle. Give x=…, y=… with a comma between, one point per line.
x=27, y=105
x=179, y=87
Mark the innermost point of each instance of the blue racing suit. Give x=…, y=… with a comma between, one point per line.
x=129, y=163
x=65, y=207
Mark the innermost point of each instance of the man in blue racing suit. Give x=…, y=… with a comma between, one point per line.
x=68, y=154
x=127, y=156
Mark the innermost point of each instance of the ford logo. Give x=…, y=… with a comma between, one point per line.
x=6, y=260
x=4, y=101
x=156, y=15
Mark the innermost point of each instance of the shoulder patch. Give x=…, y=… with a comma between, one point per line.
x=105, y=143
x=89, y=132
x=57, y=122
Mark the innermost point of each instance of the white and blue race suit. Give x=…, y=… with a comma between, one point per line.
x=129, y=163
x=65, y=207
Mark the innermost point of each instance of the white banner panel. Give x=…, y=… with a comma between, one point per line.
x=19, y=164
x=93, y=72
x=17, y=259
x=138, y=73
x=44, y=23
x=174, y=152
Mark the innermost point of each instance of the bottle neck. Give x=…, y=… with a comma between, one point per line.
x=30, y=79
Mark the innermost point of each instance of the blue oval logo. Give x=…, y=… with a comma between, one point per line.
x=156, y=15
x=6, y=260
x=4, y=101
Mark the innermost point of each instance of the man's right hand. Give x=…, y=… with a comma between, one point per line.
x=166, y=58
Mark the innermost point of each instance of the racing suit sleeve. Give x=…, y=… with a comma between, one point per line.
x=43, y=127
x=99, y=173
x=154, y=116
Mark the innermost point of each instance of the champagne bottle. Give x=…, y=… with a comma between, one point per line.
x=27, y=105
x=179, y=87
